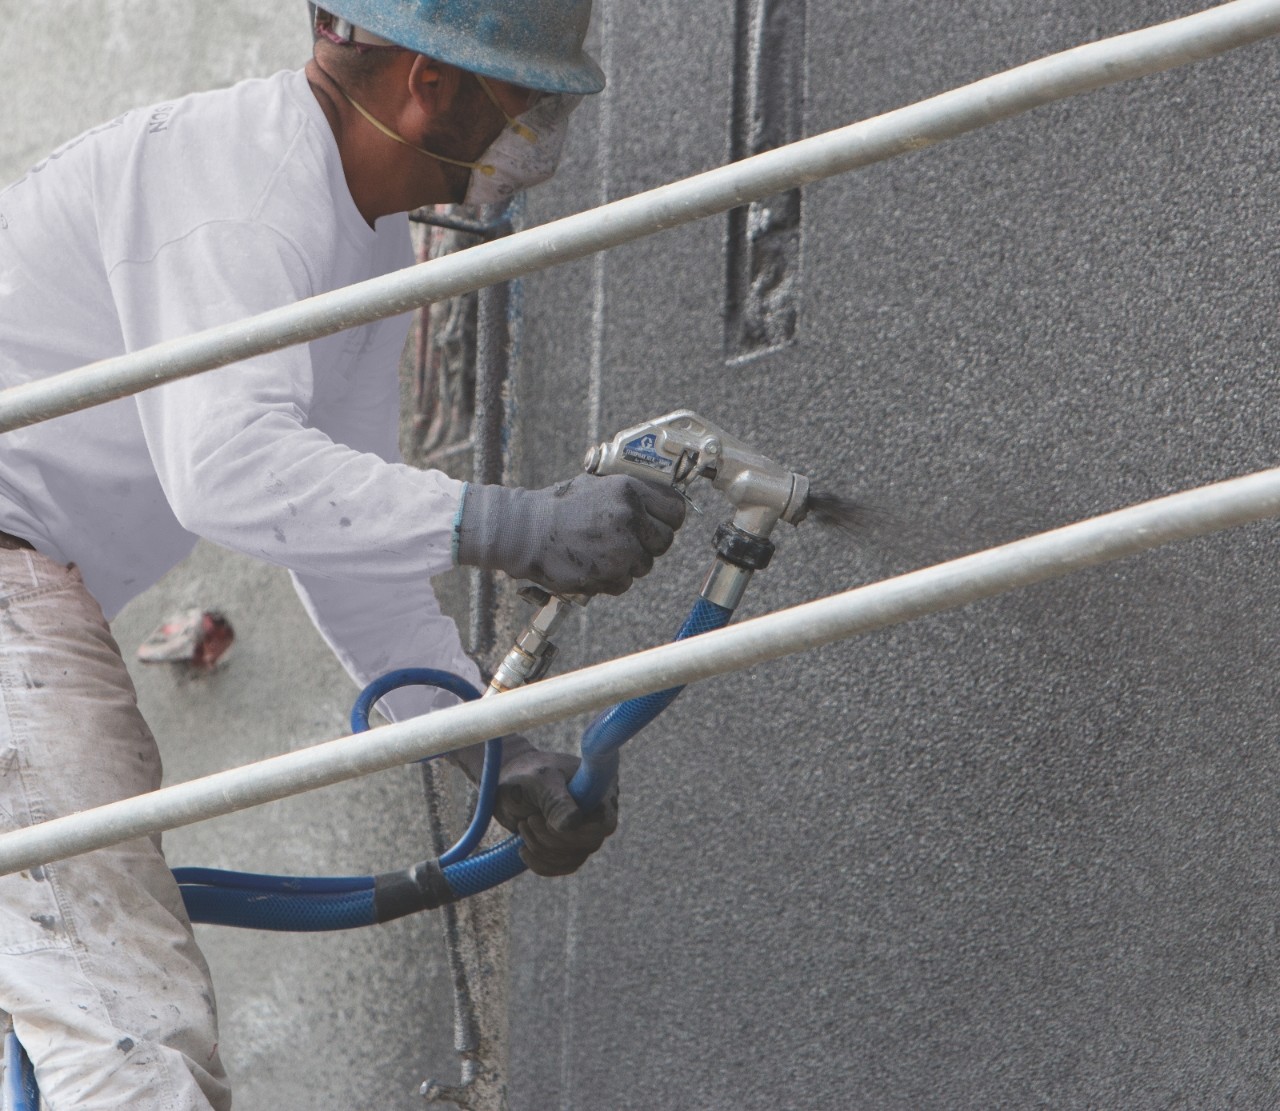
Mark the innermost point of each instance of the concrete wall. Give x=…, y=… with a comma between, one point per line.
x=1022, y=855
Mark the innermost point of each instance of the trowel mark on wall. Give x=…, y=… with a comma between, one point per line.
x=762, y=306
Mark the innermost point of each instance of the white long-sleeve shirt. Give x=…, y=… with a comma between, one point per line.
x=170, y=220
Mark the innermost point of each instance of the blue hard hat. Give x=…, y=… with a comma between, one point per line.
x=534, y=43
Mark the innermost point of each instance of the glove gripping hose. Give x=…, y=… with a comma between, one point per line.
x=600, y=744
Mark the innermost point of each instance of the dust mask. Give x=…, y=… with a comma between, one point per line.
x=526, y=153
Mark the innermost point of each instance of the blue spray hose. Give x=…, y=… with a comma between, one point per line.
x=300, y=904
x=20, y=1091
x=488, y=794
x=286, y=912
x=307, y=904
x=303, y=904
x=600, y=744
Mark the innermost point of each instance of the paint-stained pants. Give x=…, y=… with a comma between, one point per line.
x=98, y=965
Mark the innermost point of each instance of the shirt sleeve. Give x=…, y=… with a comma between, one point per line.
x=239, y=458
x=376, y=627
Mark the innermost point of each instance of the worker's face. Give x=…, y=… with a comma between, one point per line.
x=475, y=121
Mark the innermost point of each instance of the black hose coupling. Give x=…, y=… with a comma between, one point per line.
x=742, y=549
x=422, y=887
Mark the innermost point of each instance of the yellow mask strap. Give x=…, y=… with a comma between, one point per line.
x=520, y=129
x=479, y=167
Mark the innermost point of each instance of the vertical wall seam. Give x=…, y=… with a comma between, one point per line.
x=764, y=250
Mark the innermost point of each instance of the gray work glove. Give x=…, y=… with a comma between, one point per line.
x=588, y=536
x=534, y=801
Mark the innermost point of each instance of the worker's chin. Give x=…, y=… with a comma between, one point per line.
x=458, y=180
x=445, y=188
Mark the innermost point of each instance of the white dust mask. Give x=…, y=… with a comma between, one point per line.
x=526, y=153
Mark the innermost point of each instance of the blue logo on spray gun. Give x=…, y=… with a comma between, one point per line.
x=643, y=450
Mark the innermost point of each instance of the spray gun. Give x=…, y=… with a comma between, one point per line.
x=675, y=450
x=681, y=447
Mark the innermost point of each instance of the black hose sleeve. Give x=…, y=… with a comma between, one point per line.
x=422, y=887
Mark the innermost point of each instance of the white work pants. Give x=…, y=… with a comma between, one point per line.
x=98, y=966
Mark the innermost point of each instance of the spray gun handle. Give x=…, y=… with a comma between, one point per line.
x=682, y=446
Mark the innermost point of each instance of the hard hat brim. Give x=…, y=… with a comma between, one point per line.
x=528, y=48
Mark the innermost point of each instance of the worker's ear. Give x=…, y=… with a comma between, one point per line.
x=433, y=87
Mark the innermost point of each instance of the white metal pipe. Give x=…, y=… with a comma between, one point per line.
x=1057, y=77
x=947, y=586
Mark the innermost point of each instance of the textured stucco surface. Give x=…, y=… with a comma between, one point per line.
x=1017, y=856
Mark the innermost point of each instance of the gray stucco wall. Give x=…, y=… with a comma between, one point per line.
x=1022, y=855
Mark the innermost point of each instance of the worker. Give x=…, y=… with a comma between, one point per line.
x=170, y=220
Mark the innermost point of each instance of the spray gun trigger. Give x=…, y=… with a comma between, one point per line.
x=686, y=467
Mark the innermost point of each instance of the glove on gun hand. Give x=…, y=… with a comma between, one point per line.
x=534, y=801
x=587, y=536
